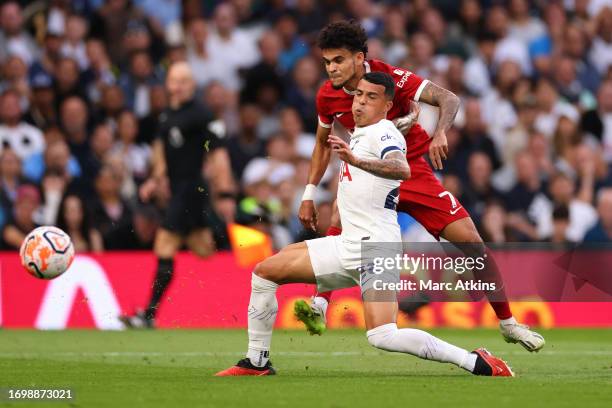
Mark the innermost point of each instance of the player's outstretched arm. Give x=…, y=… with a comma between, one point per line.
x=448, y=103
x=393, y=166
x=318, y=165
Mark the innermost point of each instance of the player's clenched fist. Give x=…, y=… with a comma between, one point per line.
x=308, y=215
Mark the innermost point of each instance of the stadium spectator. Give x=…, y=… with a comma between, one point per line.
x=11, y=179
x=246, y=145
x=14, y=39
x=293, y=45
x=123, y=28
x=74, y=220
x=101, y=144
x=74, y=117
x=267, y=74
x=112, y=103
x=68, y=80
x=597, y=123
x=56, y=158
x=581, y=214
x=394, y=37
x=135, y=156
x=111, y=215
x=50, y=53
x=222, y=103
x=473, y=138
x=42, y=112
x=225, y=40
x=601, y=49
x=575, y=46
x=15, y=77
x=136, y=83
x=301, y=93
x=100, y=72
x=602, y=231
x=525, y=199
x=15, y=133
x=74, y=42
x=148, y=124
x=20, y=220
x=205, y=68
x=478, y=191
x=309, y=17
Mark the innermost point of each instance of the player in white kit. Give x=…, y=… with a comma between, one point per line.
x=373, y=166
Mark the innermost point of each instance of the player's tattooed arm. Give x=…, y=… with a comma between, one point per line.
x=393, y=166
x=448, y=103
x=444, y=99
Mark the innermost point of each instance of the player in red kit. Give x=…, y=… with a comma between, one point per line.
x=344, y=47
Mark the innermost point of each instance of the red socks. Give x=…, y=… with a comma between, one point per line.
x=501, y=309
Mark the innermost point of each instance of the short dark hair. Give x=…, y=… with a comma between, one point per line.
x=344, y=34
x=384, y=79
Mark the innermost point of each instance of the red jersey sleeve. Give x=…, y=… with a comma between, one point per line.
x=326, y=118
x=408, y=85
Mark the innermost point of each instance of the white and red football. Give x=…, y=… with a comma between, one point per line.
x=46, y=252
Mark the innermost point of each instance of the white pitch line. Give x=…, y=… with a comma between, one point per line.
x=60, y=354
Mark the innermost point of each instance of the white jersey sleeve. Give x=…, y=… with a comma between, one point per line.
x=387, y=139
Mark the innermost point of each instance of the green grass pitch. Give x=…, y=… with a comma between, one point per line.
x=174, y=368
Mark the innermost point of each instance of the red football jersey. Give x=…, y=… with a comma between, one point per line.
x=335, y=104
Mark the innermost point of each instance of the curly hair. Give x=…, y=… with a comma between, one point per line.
x=344, y=34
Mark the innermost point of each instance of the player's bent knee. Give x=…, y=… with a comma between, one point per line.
x=381, y=336
x=265, y=270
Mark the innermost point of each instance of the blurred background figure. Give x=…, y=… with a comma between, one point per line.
x=83, y=101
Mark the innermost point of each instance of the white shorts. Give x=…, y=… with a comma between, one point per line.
x=335, y=262
x=338, y=264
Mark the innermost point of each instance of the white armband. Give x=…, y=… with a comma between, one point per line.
x=309, y=192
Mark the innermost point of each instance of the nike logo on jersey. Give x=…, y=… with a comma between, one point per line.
x=453, y=212
x=339, y=114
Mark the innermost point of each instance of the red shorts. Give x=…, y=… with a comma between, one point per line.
x=424, y=199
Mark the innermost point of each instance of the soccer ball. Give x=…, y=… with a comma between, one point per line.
x=46, y=252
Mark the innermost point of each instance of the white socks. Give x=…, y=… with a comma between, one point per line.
x=320, y=304
x=262, y=314
x=421, y=344
x=263, y=308
x=511, y=320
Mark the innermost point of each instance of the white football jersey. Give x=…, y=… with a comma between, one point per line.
x=367, y=202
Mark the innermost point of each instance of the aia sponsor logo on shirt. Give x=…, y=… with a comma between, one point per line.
x=345, y=172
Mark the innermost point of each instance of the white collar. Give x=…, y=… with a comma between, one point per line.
x=366, y=65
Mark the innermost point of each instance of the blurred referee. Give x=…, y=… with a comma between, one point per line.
x=186, y=148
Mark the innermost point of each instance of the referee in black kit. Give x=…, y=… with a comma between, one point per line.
x=185, y=148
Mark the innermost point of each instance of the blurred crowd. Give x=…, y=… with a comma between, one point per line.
x=82, y=87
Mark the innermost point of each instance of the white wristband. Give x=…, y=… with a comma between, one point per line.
x=309, y=192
